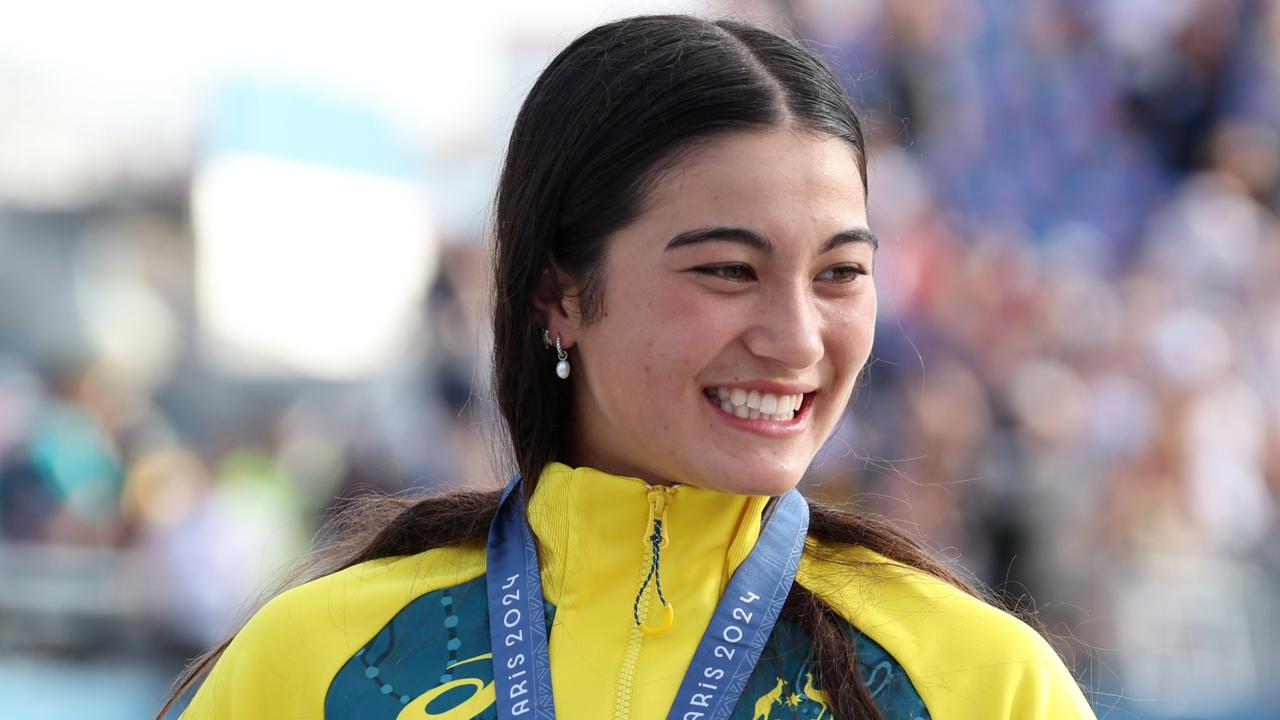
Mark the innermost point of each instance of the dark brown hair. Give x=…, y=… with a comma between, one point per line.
x=600, y=125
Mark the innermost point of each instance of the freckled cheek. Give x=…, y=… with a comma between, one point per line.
x=640, y=363
x=660, y=337
x=849, y=335
x=679, y=325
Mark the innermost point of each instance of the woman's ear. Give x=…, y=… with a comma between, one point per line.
x=555, y=305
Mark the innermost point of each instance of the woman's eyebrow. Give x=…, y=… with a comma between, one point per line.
x=859, y=235
x=758, y=242
x=731, y=234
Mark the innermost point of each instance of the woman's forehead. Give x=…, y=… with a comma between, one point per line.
x=770, y=181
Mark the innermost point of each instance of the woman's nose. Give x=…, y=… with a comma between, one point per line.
x=788, y=328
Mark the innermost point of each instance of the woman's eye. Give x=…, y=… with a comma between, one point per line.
x=842, y=273
x=733, y=272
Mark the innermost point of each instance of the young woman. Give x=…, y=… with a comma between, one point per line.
x=684, y=302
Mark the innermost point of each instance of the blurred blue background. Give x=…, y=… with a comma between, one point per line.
x=242, y=274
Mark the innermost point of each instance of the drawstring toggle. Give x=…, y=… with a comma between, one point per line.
x=657, y=540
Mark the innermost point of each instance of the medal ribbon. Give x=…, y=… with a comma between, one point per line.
x=726, y=654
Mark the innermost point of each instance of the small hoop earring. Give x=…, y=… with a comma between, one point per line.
x=562, y=367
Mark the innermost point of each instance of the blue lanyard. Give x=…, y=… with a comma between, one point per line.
x=726, y=655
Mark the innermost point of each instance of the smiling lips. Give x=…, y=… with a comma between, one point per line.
x=755, y=405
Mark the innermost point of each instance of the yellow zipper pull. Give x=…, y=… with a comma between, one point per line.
x=656, y=537
x=660, y=497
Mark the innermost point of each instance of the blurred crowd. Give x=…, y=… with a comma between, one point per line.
x=1078, y=383
x=1075, y=391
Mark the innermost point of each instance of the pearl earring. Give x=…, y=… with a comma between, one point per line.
x=562, y=367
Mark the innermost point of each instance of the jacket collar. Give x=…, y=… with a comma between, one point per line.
x=594, y=529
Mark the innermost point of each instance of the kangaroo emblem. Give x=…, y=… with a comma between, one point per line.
x=768, y=700
x=814, y=693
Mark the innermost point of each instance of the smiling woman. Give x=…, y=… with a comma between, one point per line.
x=685, y=299
x=764, y=293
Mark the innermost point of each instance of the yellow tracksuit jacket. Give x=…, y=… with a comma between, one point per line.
x=408, y=637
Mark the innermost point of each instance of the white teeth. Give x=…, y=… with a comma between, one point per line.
x=755, y=404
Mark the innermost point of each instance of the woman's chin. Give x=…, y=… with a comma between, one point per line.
x=749, y=483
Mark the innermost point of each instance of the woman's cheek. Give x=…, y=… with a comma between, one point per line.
x=848, y=337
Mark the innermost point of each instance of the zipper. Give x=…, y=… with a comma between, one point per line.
x=649, y=585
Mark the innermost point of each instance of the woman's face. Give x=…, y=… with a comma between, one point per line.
x=738, y=310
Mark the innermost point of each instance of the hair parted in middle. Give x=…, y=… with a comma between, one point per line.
x=602, y=123
x=604, y=120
